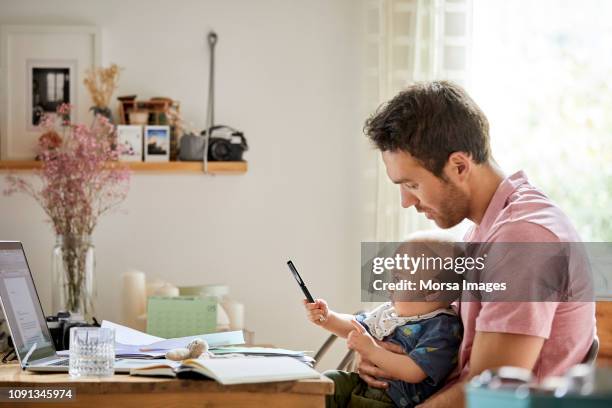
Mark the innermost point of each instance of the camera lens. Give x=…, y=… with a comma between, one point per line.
x=219, y=150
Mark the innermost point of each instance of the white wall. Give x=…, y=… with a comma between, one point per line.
x=288, y=75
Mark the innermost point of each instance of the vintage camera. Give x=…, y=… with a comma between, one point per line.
x=60, y=325
x=230, y=147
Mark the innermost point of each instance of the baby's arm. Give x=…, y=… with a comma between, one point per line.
x=337, y=323
x=398, y=366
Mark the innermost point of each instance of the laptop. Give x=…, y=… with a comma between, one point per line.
x=26, y=321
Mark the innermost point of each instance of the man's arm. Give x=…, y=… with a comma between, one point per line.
x=490, y=350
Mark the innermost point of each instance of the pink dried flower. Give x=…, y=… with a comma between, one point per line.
x=80, y=177
x=64, y=109
x=49, y=140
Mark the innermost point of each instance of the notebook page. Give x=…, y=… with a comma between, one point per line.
x=242, y=370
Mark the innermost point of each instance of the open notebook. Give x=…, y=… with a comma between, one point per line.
x=237, y=370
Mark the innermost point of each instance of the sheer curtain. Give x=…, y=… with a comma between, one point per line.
x=407, y=41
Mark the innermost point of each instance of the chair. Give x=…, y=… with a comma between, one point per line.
x=591, y=355
x=346, y=364
x=348, y=361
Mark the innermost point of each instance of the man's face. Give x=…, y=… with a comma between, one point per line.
x=440, y=200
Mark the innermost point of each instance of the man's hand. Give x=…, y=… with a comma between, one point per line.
x=360, y=340
x=374, y=376
x=317, y=312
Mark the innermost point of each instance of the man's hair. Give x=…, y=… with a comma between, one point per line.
x=431, y=120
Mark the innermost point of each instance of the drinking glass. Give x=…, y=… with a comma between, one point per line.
x=92, y=352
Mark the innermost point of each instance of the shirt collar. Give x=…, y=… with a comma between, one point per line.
x=500, y=198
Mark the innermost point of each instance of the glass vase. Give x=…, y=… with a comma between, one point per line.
x=74, y=288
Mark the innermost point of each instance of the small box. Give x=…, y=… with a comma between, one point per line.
x=181, y=316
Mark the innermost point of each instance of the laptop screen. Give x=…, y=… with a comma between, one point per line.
x=21, y=305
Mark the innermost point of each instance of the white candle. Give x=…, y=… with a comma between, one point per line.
x=235, y=313
x=153, y=285
x=133, y=298
x=166, y=290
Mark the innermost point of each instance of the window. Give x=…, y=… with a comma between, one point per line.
x=55, y=87
x=541, y=71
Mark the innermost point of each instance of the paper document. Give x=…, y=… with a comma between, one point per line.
x=213, y=340
x=262, y=351
x=127, y=351
x=127, y=336
x=134, y=343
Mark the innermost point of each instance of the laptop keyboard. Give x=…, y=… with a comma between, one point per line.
x=60, y=363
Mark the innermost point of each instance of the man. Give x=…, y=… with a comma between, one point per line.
x=434, y=141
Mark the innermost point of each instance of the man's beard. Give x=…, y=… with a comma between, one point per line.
x=454, y=207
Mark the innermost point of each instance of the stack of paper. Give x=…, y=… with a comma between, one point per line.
x=258, y=351
x=264, y=352
x=130, y=343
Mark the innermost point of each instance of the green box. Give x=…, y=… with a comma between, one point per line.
x=181, y=316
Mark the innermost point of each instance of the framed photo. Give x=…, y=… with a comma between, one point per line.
x=131, y=137
x=50, y=84
x=157, y=143
x=39, y=74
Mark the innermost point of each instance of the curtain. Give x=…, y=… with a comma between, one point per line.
x=407, y=41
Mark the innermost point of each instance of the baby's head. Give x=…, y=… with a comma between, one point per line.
x=435, y=284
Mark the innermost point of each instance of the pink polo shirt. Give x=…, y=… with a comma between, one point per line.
x=518, y=212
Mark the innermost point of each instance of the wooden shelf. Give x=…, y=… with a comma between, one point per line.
x=163, y=167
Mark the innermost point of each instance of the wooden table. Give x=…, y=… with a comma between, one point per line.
x=141, y=392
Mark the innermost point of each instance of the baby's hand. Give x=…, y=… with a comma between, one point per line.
x=317, y=312
x=360, y=340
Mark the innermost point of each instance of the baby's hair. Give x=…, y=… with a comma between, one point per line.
x=438, y=242
x=433, y=237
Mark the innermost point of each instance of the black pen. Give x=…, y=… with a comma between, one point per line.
x=300, y=282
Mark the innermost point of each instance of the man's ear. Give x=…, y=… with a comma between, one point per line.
x=458, y=166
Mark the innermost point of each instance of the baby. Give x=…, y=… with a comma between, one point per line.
x=426, y=327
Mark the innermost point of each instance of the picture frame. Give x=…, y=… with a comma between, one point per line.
x=37, y=75
x=131, y=137
x=50, y=83
x=157, y=143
